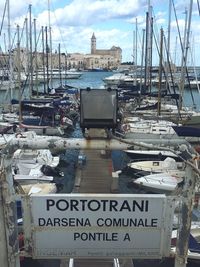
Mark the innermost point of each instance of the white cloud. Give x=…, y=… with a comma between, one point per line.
x=89, y=12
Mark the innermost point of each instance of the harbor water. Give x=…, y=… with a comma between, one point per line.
x=95, y=80
x=70, y=157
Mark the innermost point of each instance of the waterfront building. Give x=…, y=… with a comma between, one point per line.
x=75, y=61
x=98, y=59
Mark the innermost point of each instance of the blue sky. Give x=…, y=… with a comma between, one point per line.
x=112, y=21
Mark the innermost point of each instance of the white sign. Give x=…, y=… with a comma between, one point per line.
x=101, y=225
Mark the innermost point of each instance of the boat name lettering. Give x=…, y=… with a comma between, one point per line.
x=97, y=205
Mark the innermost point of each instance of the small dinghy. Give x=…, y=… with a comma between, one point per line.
x=162, y=183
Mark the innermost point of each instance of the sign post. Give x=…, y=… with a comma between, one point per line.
x=101, y=225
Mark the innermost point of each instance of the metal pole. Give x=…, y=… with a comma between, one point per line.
x=185, y=222
x=9, y=239
x=60, y=144
x=3, y=242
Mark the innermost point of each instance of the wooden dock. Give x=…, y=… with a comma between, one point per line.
x=95, y=176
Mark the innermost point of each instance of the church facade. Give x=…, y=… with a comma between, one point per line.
x=103, y=58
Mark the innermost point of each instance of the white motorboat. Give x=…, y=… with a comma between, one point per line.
x=115, y=79
x=72, y=74
x=149, y=129
x=163, y=183
x=63, y=74
x=121, y=79
x=29, y=162
x=169, y=165
x=31, y=166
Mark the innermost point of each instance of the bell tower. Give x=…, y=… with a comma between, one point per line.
x=93, y=44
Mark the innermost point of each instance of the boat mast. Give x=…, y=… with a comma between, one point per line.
x=136, y=40
x=59, y=64
x=150, y=53
x=50, y=46
x=47, y=59
x=36, y=64
x=65, y=75
x=10, y=53
x=43, y=60
x=148, y=48
x=146, y=51
x=19, y=74
x=142, y=59
x=168, y=44
x=160, y=71
x=30, y=53
x=135, y=53
x=27, y=49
